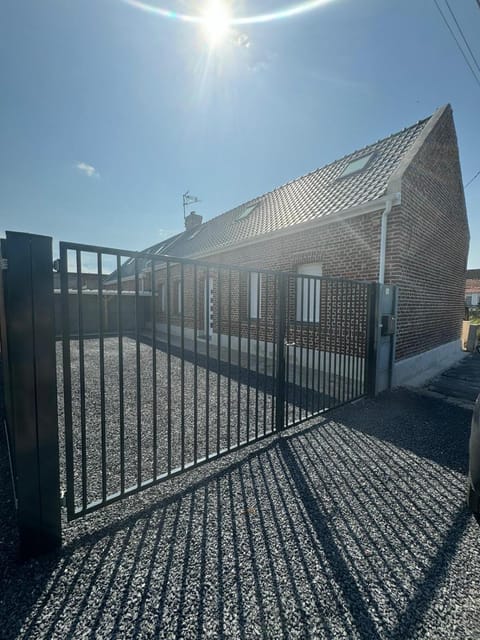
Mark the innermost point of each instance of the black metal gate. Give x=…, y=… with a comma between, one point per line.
x=168, y=363
x=161, y=364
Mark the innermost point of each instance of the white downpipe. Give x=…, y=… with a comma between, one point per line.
x=383, y=241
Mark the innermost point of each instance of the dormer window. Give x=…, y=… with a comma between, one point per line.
x=354, y=166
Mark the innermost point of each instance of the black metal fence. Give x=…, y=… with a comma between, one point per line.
x=184, y=361
x=167, y=364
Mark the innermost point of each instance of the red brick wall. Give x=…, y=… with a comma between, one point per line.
x=349, y=249
x=428, y=245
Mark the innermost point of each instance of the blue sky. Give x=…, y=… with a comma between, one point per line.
x=108, y=114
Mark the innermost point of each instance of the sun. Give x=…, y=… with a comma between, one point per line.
x=216, y=21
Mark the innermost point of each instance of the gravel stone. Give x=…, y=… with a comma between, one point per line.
x=348, y=526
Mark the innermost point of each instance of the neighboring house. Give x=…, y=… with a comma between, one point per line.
x=472, y=288
x=88, y=281
x=392, y=212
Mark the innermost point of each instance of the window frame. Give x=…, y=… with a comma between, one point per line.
x=368, y=159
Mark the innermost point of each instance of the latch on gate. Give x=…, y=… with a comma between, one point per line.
x=3, y=264
x=388, y=325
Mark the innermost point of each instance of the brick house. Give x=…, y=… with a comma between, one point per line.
x=472, y=288
x=392, y=212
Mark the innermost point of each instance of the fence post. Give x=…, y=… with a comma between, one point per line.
x=30, y=335
x=5, y=381
x=372, y=338
x=280, y=382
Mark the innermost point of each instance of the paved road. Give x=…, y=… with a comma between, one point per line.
x=461, y=382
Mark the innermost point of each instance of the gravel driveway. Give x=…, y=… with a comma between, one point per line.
x=352, y=526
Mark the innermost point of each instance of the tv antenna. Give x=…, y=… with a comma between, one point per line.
x=187, y=201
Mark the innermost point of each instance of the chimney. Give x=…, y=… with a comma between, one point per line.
x=192, y=221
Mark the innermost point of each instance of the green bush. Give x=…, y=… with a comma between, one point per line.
x=474, y=316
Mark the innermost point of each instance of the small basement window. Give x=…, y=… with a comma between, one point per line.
x=356, y=165
x=246, y=211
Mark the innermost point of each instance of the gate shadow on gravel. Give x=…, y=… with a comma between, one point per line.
x=323, y=533
x=429, y=427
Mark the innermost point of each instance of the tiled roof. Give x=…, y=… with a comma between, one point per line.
x=472, y=283
x=473, y=274
x=128, y=267
x=321, y=193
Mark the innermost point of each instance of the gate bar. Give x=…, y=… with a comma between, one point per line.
x=280, y=370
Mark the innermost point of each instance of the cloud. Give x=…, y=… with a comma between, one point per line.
x=87, y=169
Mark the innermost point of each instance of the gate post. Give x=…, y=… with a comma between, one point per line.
x=30, y=336
x=280, y=381
x=372, y=338
x=381, y=336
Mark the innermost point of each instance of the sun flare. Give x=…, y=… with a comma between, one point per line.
x=216, y=21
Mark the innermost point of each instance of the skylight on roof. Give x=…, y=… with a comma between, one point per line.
x=356, y=165
x=246, y=211
x=195, y=233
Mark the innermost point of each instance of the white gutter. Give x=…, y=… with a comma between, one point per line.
x=383, y=241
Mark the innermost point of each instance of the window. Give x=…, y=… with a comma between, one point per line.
x=161, y=297
x=356, y=165
x=468, y=301
x=246, y=211
x=178, y=297
x=308, y=293
x=255, y=295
